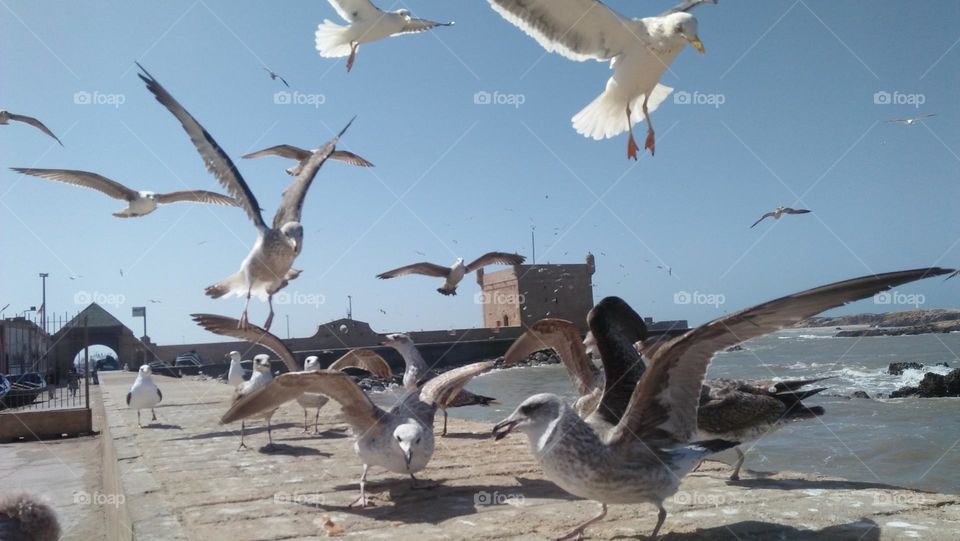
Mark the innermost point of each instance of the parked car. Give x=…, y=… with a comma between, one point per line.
x=107, y=363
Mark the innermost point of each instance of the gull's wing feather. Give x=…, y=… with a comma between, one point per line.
x=361, y=413
x=738, y=410
x=663, y=408
x=350, y=157
x=616, y=328
x=419, y=25
x=563, y=338
x=214, y=158
x=83, y=178
x=351, y=10
x=284, y=151
x=364, y=359
x=762, y=218
x=795, y=211
x=495, y=258
x=578, y=29
x=443, y=389
x=424, y=268
x=197, y=196
x=687, y=5
x=36, y=124
x=226, y=326
x=291, y=206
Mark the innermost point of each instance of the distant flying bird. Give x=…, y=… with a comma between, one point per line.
x=121, y=273
x=367, y=23
x=155, y=301
x=7, y=116
x=139, y=203
x=910, y=121
x=274, y=76
x=303, y=155
x=268, y=267
x=455, y=273
x=777, y=212
x=639, y=51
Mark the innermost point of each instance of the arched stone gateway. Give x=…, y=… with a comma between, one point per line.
x=95, y=326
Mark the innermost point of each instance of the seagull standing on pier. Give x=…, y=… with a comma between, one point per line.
x=235, y=373
x=400, y=440
x=636, y=447
x=417, y=372
x=144, y=393
x=639, y=51
x=367, y=23
x=268, y=267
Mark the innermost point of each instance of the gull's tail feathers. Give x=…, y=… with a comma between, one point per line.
x=606, y=116
x=332, y=40
x=235, y=284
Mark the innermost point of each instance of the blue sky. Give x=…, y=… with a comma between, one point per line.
x=798, y=126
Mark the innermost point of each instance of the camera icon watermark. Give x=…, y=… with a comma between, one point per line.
x=496, y=97
x=497, y=498
x=285, y=97
x=83, y=97
x=84, y=298
x=299, y=298
x=486, y=297
x=899, y=499
x=708, y=499
x=696, y=297
x=898, y=298
x=299, y=498
x=883, y=97
x=83, y=497
x=683, y=97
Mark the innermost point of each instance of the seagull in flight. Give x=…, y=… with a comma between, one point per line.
x=778, y=212
x=268, y=267
x=139, y=203
x=302, y=155
x=639, y=52
x=910, y=121
x=454, y=273
x=274, y=76
x=367, y=23
x=7, y=116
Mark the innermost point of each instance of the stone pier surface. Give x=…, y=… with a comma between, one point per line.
x=183, y=478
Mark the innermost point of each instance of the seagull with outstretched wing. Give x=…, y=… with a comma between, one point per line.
x=302, y=155
x=639, y=52
x=910, y=121
x=139, y=203
x=778, y=212
x=274, y=76
x=639, y=442
x=454, y=273
x=367, y=23
x=268, y=267
x=7, y=116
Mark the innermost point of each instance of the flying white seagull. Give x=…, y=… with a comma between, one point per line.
x=367, y=23
x=455, y=273
x=139, y=203
x=268, y=267
x=7, y=116
x=910, y=121
x=778, y=212
x=302, y=156
x=637, y=444
x=639, y=51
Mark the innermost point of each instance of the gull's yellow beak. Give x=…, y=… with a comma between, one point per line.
x=698, y=45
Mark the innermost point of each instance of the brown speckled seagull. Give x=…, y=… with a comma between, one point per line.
x=637, y=449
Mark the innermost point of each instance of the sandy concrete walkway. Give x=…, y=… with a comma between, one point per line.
x=66, y=473
x=185, y=479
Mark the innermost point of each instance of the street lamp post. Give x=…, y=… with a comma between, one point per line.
x=43, y=305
